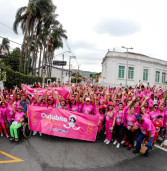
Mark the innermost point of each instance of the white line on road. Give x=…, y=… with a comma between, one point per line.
x=160, y=147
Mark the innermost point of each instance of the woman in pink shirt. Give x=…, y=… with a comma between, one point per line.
x=73, y=105
x=144, y=114
x=101, y=120
x=87, y=106
x=3, y=119
x=154, y=114
x=17, y=123
x=10, y=110
x=97, y=105
x=130, y=119
x=109, y=122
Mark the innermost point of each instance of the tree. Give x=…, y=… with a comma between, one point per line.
x=13, y=59
x=39, y=25
x=4, y=46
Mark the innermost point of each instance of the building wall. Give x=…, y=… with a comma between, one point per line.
x=57, y=73
x=112, y=61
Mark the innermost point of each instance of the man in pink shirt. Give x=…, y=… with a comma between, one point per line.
x=147, y=131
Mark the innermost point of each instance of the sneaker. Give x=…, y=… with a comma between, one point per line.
x=115, y=142
x=136, y=151
x=40, y=134
x=1, y=135
x=105, y=140
x=135, y=143
x=105, y=132
x=108, y=142
x=129, y=147
x=7, y=135
x=35, y=132
x=126, y=144
x=118, y=145
x=122, y=142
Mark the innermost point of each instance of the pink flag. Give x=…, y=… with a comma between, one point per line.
x=62, y=123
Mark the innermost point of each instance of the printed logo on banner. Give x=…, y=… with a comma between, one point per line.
x=71, y=124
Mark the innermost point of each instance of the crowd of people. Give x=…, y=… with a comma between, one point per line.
x=127, y=116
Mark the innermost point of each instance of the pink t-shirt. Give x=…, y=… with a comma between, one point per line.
x=1, y=116
x=129, y=121
x=147, y=116
x=154, y=116
x=108, y=119
x=37, y=104
x=146, y=126
x=17, y=104
x=80, y=107
x=43, y=105
x=165, y=119
x=9, y=112
x=119, y=115
x=87, y=109
x=74, y=108
x=18, y=116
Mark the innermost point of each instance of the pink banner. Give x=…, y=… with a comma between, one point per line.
x=64, y=91
x=62, y=123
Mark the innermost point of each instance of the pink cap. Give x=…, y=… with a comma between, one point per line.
x=62, y=99
x=11, y=98
x=34, y=97
x=50, y=98
x=101, y=107
x=110, y=104
x=20, y=107
x=151, y=105
x=72, y=98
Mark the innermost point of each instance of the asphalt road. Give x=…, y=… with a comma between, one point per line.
x=49, y=153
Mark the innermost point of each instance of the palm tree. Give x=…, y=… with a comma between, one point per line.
x=4, y=46
x=39, y=25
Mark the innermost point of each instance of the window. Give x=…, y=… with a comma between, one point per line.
x=157, y=76
x=130, y=72
x=121, y=72
x=145, y=75
x=163, y=77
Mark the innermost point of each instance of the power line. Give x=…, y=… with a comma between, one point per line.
x=11, y=40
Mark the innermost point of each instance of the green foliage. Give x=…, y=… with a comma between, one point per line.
x=73, y=80
x=13, y=59
x=16, y=78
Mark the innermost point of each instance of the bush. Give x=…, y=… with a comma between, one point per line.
x=16, y=78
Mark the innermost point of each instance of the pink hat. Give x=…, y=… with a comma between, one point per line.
x=62, y=99
x=110, y=104
x=157, y=96
x=72, y=98
x=34, y=97
x=20, y=107
x=97, y=98
x=151, y=105
x=101, y=107
x=11, y=98
x=50, y=98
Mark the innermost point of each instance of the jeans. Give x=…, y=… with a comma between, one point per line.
x=10, y=122
x=139, y=141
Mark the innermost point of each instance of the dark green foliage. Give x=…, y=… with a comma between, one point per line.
x=16, y=78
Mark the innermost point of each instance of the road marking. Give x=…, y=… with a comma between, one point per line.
x=160, y=147
x=15, y=159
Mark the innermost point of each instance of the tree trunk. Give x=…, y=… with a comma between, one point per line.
x=39, y=64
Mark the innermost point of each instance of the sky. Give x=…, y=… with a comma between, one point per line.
x=94, y=26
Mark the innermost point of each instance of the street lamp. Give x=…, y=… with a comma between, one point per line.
x=126, y=64
x=71, y=57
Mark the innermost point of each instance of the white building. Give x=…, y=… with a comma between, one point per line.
x=57, y=72
x=140, y=67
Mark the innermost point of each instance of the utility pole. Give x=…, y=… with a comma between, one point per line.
x=62, y=70
x=70, y=67
x=126, y=84
x=77, y=75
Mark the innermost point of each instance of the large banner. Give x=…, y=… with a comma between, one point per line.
x=63, y=123
x=64, y=91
